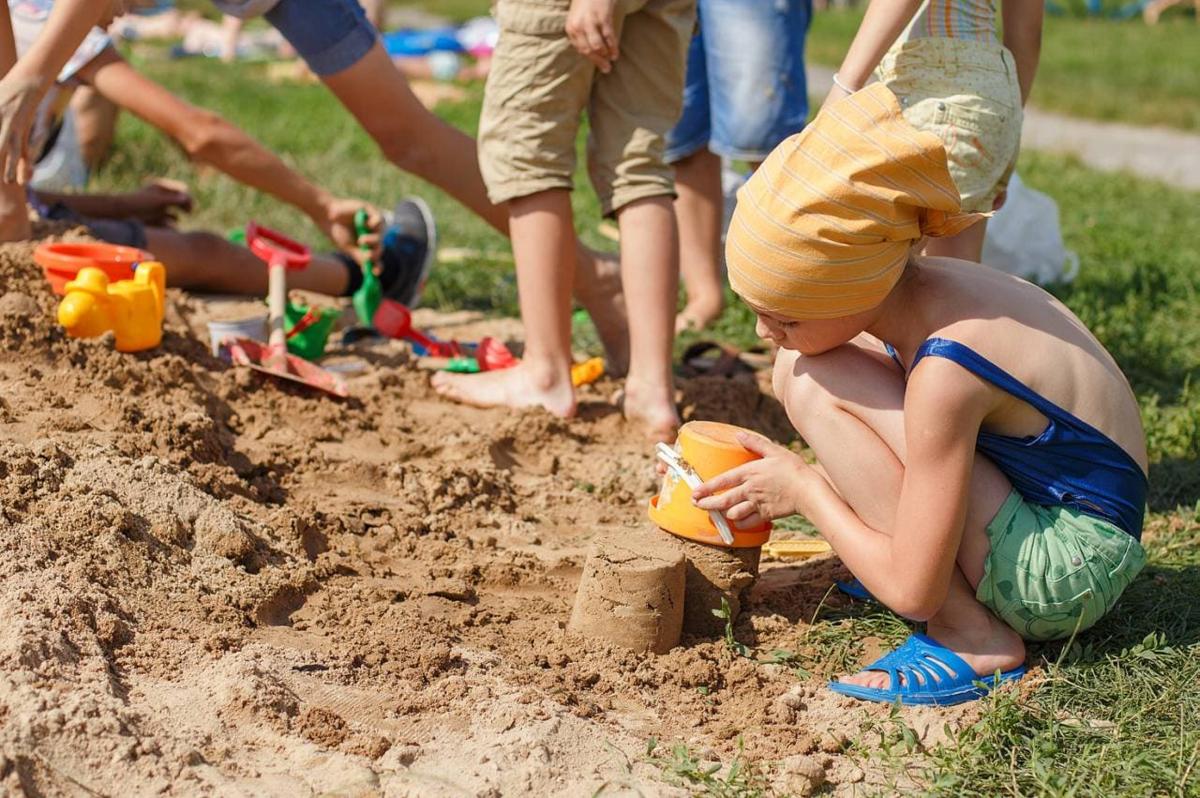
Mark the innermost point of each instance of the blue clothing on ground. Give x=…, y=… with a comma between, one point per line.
x=746, y=90
x=1071, y=463
x=330, y=35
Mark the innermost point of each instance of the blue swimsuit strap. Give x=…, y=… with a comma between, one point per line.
x=977, y=364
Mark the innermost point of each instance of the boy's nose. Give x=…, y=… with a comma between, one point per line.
x=760, y=329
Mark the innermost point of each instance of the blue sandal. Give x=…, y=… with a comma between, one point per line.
x=932, y=674
x=855, y=589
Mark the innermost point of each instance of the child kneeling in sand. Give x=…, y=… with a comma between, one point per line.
x=624, y=64
x=981, y=456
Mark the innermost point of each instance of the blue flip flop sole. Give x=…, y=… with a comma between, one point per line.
x=924, y=672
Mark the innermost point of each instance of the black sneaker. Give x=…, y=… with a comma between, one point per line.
x=409, y=249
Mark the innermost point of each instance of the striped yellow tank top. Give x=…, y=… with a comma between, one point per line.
x=973, y=20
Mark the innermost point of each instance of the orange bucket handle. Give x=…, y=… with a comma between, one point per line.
x=683, y=471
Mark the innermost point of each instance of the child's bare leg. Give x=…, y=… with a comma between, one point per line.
x=598, y=289
x=700, y=210
x=208, y=263
x=848, y=405
x=650, y=273
x=417, y=141
x=967, y=245
x=544, y=249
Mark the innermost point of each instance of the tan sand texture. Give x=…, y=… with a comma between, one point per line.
x=213, y=584
x=631, y=592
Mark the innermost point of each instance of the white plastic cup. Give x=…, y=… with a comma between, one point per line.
x=254, y=328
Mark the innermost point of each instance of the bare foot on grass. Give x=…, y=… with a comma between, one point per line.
x=523, y=385
x=598, y=288
x=699, y=313
x=651, y=411
x=995, y=647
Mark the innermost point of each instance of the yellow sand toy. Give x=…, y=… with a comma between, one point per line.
x=795, y=549
x=133, y=309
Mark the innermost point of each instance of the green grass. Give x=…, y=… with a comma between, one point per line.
x=1115, y=712
x=1094, y=68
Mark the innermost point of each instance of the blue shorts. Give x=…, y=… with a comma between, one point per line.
x=330, y=35
x=746, y=90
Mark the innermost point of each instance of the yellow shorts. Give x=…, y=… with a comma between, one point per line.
x=539, y=86
x=967, y=93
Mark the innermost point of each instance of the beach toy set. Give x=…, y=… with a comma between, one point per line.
x=281, y=255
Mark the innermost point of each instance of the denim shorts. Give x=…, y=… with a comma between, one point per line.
x=745, y=89
x=330, y=35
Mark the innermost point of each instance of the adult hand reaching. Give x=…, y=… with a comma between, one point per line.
x=19, y=99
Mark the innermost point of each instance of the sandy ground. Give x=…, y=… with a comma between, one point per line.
x=214, y=584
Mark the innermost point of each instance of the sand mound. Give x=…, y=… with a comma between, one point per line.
x=214, y=583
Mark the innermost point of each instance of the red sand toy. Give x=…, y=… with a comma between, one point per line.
x=61, y=262
x=393, y=320
x=281, y=254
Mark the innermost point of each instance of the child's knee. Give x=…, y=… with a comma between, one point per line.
x=794, y=382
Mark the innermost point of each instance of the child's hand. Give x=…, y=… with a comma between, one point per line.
x=759, y=491
x=158, y=203
x=590, y=29
x=338, y=225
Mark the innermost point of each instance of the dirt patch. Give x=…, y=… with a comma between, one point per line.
x=214, y=583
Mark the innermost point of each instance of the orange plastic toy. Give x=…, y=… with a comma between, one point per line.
x=587, y=372
x=704, y=449
x=62, y=262
x=133, y=309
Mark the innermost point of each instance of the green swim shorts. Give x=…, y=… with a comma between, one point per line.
x=1054, y=570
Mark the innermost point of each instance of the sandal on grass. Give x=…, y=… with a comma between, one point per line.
x=923, y=671
x=698, y=360
x=855, y=590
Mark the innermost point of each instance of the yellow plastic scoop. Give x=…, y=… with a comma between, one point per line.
x=795, y=549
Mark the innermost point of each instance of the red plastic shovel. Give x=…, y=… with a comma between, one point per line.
x=393, y=320
x=281, y=254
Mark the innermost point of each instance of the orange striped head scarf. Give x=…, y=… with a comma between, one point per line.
x=824, y=227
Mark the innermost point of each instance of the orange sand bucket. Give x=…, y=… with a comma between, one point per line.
x=61, y=262
x=703, y=450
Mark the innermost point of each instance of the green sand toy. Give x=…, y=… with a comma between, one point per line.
x=368, y=296
x=308, y=329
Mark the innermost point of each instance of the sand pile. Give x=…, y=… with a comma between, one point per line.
x=213, y=583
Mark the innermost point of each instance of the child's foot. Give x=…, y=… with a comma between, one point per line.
x=652, y=411
x=699, y=313
x=986, y=649
x=599, y=290
x=523, y=385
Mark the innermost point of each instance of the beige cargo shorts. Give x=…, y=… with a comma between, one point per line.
x=965, y=92
x=539, y=87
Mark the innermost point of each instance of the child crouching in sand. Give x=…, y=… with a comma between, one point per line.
x=981, y=456
x=624, y=64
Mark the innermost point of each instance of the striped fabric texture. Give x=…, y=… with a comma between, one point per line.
x=824, y=227
x=971, y=20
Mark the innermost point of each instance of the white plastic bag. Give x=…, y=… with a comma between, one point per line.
x=1024, y=238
